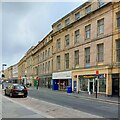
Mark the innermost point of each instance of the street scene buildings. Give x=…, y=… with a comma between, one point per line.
x=82, y=53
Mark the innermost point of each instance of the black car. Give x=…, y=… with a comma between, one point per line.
x=14, y=90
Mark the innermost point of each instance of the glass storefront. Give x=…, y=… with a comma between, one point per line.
x=88, y=82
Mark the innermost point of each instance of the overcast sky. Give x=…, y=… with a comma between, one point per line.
x=26, y=23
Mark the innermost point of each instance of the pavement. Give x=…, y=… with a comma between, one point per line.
x=34, y=108
x=85, y=95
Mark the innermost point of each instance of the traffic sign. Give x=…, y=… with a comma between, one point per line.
x=37, y=78
x=97, y=72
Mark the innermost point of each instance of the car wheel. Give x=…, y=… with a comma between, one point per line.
x=11, y=95
x=25, y=96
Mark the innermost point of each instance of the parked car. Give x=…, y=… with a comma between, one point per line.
x=16, y=90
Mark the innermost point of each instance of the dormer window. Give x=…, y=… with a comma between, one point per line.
x=77, y=16
x=67, y=21
x=59, y=26
x=88, y=9
x=101, y=3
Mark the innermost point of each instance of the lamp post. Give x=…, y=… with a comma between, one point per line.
x=3, y=70
x=3, y=73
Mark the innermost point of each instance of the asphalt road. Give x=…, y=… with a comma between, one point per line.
x=102, y=109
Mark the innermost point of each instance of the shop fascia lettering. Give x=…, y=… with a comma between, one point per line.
x=62, y=75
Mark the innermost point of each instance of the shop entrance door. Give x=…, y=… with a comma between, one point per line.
x=115, y=87
x=91, y=87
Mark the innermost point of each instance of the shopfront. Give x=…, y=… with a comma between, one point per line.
x=45, y=81
x=61, y=80
x=87, y=83
x=115, y=84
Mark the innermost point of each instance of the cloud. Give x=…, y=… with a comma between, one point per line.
x=26, y=23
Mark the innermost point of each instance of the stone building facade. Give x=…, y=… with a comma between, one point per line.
x=82, y=51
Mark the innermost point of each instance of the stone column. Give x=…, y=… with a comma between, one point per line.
x=109, y=83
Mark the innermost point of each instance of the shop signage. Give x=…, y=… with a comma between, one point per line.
x=37, y=78
x=62, y=75
x=97, y=72
x=90, y=76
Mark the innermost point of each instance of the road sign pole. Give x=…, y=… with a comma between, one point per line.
x=96, y=87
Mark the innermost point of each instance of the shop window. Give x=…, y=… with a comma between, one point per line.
x=84, y=84
x=102, y=85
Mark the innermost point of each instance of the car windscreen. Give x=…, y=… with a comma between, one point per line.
x=19, y=87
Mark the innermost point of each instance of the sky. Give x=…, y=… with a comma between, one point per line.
x=24, y=23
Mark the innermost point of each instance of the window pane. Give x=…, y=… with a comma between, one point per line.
x=87, y=31
x=100, y=26
x=67, y=22
x=118, y=19
x=67, y=40
x=77, y=16
x=77, y=36
x=77, y=57
x=58, y=44
x=67, y=60
x=58, y=62
x=100, y=49
x=88, y=9
x=87, y=55
x=118, y=50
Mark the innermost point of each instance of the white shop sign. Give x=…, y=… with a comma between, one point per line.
x=62, y=75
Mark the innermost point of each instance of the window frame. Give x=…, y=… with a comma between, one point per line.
x=67, y=21
x=67, y=61
x=100, y=26
x=87, y=55
x=58, y=44
x=76, y=57
x=118, y=19
x=88, y=31
x=77, y=36
x=88, y=9
x=58, y=62
x=100, y=53
x=67, y=40
x=77, y=16
x=118, y=51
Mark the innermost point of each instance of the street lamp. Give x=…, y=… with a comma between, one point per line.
x=3, y=70
x=3, y=73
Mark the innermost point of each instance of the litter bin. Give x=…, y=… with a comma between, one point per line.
x=69, y=89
